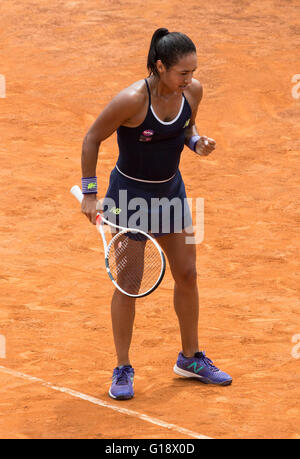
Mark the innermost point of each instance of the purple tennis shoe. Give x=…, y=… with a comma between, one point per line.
x=122, y=383
x=202, y=368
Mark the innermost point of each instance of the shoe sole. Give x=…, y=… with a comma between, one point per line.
x=120, y=397
x=188, y=374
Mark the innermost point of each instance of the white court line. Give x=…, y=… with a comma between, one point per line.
x=99, y=402
x=2, y=87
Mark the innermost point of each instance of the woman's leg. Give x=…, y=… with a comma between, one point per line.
x=182, y=260
x=122, y=315
x=122, y=306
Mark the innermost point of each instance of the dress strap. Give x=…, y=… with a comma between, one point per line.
x=148, y=89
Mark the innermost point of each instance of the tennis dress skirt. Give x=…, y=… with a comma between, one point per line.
x=155, y=208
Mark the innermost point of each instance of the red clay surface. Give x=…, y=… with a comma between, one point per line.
x=63, y=61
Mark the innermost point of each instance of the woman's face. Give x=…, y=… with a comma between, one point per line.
x=178, y=77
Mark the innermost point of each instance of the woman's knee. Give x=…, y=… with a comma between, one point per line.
x=186, y=276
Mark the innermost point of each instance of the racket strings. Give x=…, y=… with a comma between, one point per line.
x=135, y=262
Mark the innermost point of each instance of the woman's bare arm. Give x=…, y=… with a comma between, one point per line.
x=122, y=107
x=195, y=94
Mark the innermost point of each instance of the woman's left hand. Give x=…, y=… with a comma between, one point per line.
x=205, y=146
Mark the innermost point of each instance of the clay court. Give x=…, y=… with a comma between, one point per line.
x=62, y=62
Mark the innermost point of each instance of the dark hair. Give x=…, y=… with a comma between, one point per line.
x=169, y=47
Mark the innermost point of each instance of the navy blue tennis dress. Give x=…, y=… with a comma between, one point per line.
x=146, y=190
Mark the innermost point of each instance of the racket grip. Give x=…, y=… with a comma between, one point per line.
x=76, y=191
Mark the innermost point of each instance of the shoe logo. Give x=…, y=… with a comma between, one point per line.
x=146, y=135
x=194, y=365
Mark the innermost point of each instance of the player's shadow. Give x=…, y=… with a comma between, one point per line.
x=176, y=388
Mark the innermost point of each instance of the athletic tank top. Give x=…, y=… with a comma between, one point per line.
x=151, y=151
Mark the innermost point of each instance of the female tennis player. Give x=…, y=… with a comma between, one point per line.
x=154, y=119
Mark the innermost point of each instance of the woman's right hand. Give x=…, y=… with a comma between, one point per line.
x=90, y=207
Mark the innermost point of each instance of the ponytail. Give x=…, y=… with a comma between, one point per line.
x=169, y=47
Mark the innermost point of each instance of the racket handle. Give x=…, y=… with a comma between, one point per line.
x=76, y=191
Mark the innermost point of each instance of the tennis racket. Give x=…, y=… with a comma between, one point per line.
x=134, y=260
